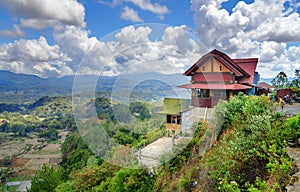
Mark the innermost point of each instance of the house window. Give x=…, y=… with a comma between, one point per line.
x=174, y=119
x=202, y=93
x=221, y=68
x=203, y=68
x=169, y=118
x=205, y=93
x=198, y=92
x=219, y=93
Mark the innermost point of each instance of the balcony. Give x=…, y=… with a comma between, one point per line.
x=206, y=102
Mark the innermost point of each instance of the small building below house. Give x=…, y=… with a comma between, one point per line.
x=178, y=114
x=215, y=76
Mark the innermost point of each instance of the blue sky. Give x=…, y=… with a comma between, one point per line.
x=57, y=37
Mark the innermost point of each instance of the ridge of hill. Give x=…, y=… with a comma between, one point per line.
x=20, y=88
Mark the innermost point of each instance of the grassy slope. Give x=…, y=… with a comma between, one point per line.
x=248, y=156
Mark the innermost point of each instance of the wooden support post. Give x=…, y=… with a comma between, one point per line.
x=205, y=113
x=140, y=156
x=173, y=137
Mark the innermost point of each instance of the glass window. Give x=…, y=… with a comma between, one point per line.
x=174, y=119
x=178, y=119
x=198, y=92
x=169, y=118
x=219, y=93
x=205, y=93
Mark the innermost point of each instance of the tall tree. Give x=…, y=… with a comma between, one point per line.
x=297, y=73
x=280, y=81
x=296, y=82
x=46, y=179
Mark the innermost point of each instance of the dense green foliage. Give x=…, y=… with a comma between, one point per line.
x=294, y=125
x=44, y=116
x=253, y=151
x=139, y=110
x=80, y=170
x=249, y=154
x=46, y=179
x=75, y=153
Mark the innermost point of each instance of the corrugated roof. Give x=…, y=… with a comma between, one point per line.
x=249, y=65
x=224, y=59
x=215, y=86
x=264, y=85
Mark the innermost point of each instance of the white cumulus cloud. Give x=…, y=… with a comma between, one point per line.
x=261, y=29
x=74, y=42
x=37, y=24
x=68, y=12
x=145, y=5
x=16, y=32
x=130, y=15
x=129, y=51
x=34, y=57
x=149, y=6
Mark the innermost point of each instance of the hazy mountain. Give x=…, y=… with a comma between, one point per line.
x=268, y=80
x=22, y=87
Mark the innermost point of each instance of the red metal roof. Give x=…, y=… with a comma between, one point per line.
x=224, y=59
x=249, y=65
x=264, y=85
x=216, y=86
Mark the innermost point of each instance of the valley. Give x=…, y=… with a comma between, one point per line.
x=25, y=156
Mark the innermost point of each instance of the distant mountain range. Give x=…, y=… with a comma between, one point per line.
x=19, y=88
x=23, y=88
x=268, y=80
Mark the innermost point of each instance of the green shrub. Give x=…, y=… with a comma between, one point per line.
x=294, y=125
x=252, y=146
x=47, y=179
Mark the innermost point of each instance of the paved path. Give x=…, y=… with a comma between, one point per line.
x=292, y=109
x=294, y=153
x=151, y=153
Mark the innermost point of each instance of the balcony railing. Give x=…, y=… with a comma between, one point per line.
x=206, y=102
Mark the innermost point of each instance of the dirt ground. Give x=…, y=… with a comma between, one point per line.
x=24, y=156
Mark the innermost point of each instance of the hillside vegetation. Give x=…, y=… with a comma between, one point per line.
x=248, y=155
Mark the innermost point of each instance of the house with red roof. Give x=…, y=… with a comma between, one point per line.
x=216, y=76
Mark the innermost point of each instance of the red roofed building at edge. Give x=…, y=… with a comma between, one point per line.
x=216, y=76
